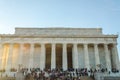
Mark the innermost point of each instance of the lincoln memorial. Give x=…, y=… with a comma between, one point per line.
x=58, y=48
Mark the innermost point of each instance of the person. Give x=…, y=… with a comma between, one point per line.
x=29, y=77
x=79, y=78
x=109, y=72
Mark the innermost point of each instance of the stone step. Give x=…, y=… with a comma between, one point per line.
x=7, y=78
x=111, y=78
x=86, y=78
x=11, y=78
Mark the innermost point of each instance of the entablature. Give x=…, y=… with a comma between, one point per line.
x=58, y=40
x=56, y=36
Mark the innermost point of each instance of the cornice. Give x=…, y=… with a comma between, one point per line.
x=57, y=36
x=59, y=28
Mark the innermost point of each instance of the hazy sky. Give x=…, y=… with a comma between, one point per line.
x=60, y=13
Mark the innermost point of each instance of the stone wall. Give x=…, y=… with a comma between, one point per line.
x=59, y=31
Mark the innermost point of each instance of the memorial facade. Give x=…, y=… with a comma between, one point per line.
x=58, y=48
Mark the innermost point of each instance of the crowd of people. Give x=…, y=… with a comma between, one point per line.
x=59, y=73
x=54, y=74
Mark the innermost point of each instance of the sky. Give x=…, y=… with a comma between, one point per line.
x=103, y=14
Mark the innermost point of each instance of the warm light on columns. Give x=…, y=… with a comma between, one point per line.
x=5, y=55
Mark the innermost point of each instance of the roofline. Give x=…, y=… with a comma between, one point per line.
x=54, y=28
x=58, y=36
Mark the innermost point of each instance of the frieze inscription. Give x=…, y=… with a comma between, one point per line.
x=58, y=40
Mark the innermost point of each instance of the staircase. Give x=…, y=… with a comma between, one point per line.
x=111, y=78
x=7, y=78
x=106, y=76
x=86, y=78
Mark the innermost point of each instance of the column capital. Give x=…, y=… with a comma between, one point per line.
x=32, y=43
x=65, y=43
x=21, y=43
x=85, y=43
x=42, y=44
x=95, y=43
x=75, y=43
x=1, y=45
x=105, y=43
x=53, y=43
x=115, y=43
x=11, y=43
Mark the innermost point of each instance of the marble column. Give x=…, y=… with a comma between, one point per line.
x=87, y=64
x=53, y=56
x=107, y=55
x=1, y=54
x=64, y=57
x=42, y=57
x=9, y=60
x=31, y=55
x=20, y=56
x=116, y=58
x=97, y=58
x=75, y=55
